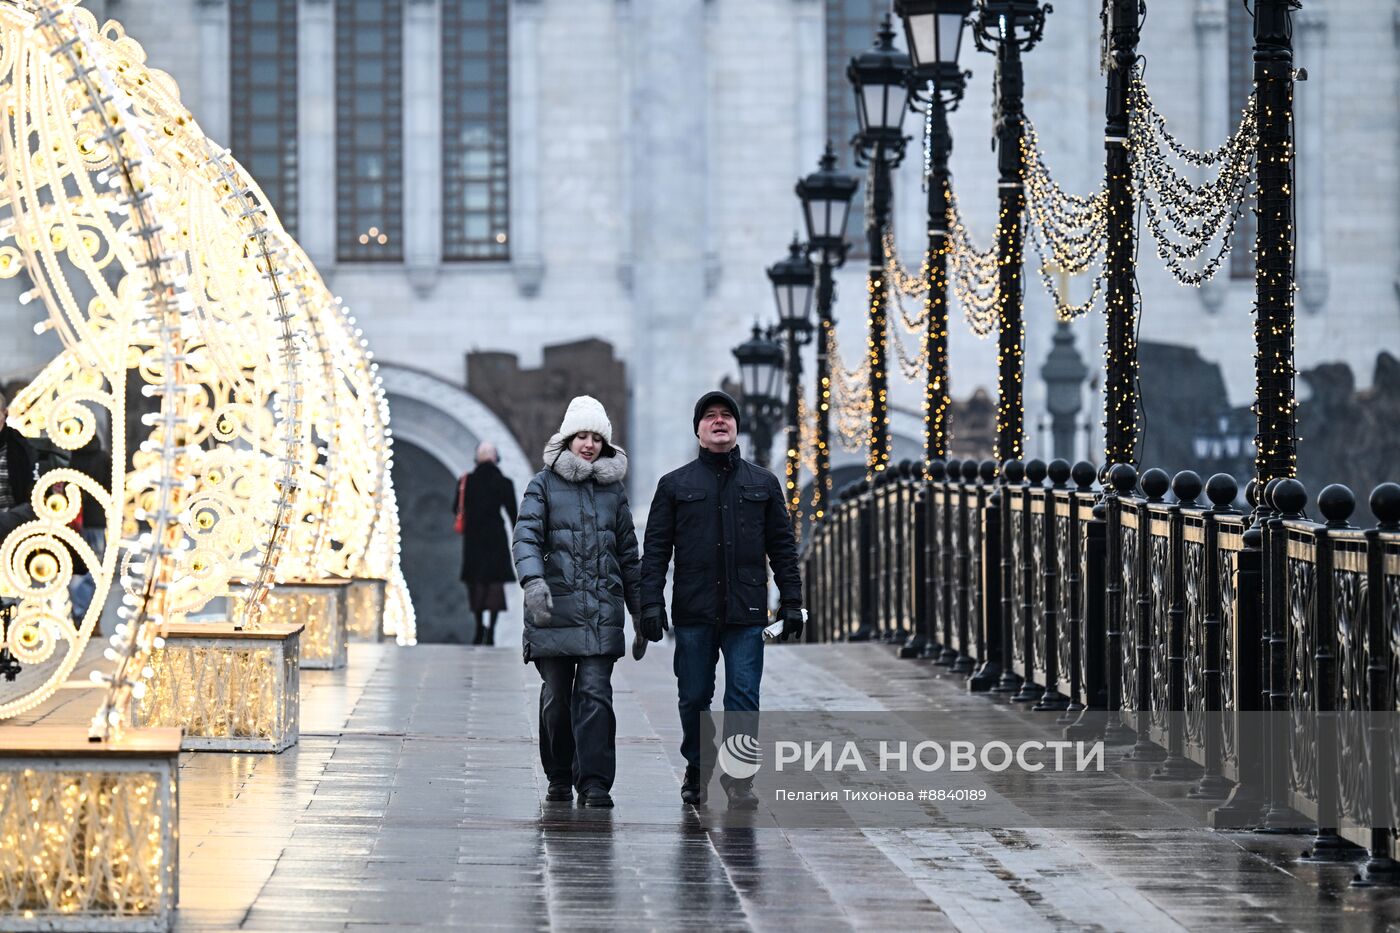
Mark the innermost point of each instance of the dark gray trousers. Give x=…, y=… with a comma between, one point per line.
x=578, y=729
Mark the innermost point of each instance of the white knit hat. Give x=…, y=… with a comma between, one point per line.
x=586, y=413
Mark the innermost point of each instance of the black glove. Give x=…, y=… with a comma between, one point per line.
x=654, y=623
x=792, y=624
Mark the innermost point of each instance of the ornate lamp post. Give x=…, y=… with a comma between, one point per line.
x=826, y=202
x=792, y=289
x=760, y=367
x=1008, y=28
x=1120, y=392
x=933, y=30
x=880, y=78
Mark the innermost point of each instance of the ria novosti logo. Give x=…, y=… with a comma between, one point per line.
x=740, y=756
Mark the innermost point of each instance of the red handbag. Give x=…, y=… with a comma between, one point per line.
x=459, y=524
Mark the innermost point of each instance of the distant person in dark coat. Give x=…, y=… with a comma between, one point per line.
x=486, y=560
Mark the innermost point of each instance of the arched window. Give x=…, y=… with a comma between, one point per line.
x=1240, y=86
x=475, y=130
x=263, y=107
x=369, y=130
x=850, y=29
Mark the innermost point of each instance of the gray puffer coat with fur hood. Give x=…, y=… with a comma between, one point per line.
x=575, y=531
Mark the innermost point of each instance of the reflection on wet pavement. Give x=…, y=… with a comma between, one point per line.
x=415, y=801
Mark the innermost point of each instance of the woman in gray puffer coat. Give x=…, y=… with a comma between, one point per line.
x=576, y=556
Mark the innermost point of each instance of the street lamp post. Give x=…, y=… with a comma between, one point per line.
x=996, y=31
x=880, y=77
x=933, y=31
x=1276, y=453
x=1120, y=304
x=792, y=289
x=826, y=202
x=760, y=367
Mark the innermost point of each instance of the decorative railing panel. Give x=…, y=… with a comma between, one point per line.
x=1155, y=605
x=1128, y=554
x=1194, y=584
x=1158, y=628
x=1067, y=619
x=1041, y=613
x=1016, y=517
x=1301, y=646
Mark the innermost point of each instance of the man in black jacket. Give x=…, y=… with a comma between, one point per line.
x=721, y=516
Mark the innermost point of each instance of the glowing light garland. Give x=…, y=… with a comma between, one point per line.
x=1185, y=217
x=81, y=173
x=155, y=254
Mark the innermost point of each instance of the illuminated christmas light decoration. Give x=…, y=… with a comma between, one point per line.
x=92, y=215
x=229, y=689
x=1187, y=217
x=317, y=607
x=157, y=260
x=88, y=834
x=364, y=609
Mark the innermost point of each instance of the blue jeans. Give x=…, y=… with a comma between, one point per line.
x=82, y=588
x=698, y=648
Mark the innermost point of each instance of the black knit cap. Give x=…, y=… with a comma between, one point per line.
x=716, y=397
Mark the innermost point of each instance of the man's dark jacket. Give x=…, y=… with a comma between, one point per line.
x=721, y=516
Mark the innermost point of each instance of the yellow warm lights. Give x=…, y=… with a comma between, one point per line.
x=262, y=444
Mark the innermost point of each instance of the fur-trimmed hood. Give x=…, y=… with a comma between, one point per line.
x=610, y=467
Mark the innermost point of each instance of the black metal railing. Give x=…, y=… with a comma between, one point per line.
x=1151, y=612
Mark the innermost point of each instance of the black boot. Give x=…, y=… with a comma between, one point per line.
x=693, y=789
x=559, y=791
x=596, y=797
x=741, y=795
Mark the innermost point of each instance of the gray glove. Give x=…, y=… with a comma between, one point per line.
x=538, y=603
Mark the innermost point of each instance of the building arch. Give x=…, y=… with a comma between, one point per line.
x=436, y=427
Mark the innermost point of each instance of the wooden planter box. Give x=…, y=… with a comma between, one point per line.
x=316, y=605
x=90, y=829
x=364, y=609
x=229, y=689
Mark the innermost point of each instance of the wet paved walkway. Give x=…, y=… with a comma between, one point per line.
x=414, y=801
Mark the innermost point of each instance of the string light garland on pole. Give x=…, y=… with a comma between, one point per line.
x=1009, y=28
x=975, y=275
x=793, y=279
x=850, y=397
x=826, y=204
x=1121, y=29
x=1069, y=233
x=1276, y=441
x=879, y=78
x=933, y=31
x=1185, y=217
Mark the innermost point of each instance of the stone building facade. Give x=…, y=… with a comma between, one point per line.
x=645, y=153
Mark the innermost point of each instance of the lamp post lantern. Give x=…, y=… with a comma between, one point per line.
x=933, y=30
x=1009, y=28
x=760, y=361
x=792, y=278
x=826, y=203
x=880, y=79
